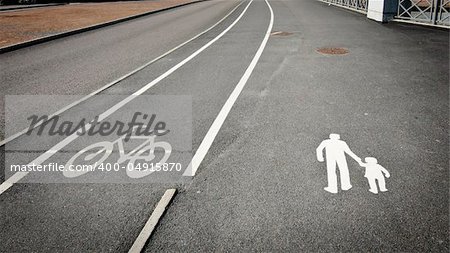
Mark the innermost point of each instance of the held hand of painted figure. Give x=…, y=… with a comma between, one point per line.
x=351, y=154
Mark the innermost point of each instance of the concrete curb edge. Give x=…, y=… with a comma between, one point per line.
x=25, y=7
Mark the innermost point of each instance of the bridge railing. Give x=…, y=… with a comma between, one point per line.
x=359, y=5
x=425, y=11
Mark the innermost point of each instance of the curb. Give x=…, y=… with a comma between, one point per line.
x=412, y=23
x=85, y=29
x=30, y=7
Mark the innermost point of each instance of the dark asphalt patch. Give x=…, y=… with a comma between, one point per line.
x=333, y=50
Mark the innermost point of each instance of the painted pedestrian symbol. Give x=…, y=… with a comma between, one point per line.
x=374, y=171
x=335, y=156
x=335, y=150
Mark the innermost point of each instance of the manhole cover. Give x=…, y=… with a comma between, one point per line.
x=333, y=50
x=280, y=33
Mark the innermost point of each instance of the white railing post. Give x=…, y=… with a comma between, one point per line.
x=382, y=10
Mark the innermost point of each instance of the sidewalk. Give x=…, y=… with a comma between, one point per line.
x=25, y=25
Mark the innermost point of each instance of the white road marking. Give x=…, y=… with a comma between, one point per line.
x=217, y=124
x=146, y=232
x=206, y=143
x=49, y=153
x=14, y=136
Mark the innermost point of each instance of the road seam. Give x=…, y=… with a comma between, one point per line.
x=75, y=103
x=220, y=119
x=156, y=215
x=85, y=29
x=49, y=153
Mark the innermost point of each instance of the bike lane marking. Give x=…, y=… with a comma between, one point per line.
x=114, y=82
x=49, y=153
x=220, y=119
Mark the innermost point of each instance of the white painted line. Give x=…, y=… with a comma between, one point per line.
x=217, y=124
x=49, y=153
x=14, y=136
x=146, y=232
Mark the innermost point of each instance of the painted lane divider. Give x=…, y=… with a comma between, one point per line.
x=156, y=215
x=149, y=227
x=218, y=122
x=42, y=158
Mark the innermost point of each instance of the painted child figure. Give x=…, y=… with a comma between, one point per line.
x=374, y=171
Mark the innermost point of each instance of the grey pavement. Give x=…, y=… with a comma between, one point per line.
x=260, y=187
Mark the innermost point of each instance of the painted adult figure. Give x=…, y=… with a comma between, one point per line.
x=335, y=150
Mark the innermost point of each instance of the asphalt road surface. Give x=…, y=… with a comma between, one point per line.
x=259, y=187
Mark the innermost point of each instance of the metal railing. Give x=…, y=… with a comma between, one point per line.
x=425, y=11
x=359, y=5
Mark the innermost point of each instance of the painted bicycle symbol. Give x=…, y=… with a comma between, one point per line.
x=145, y=151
